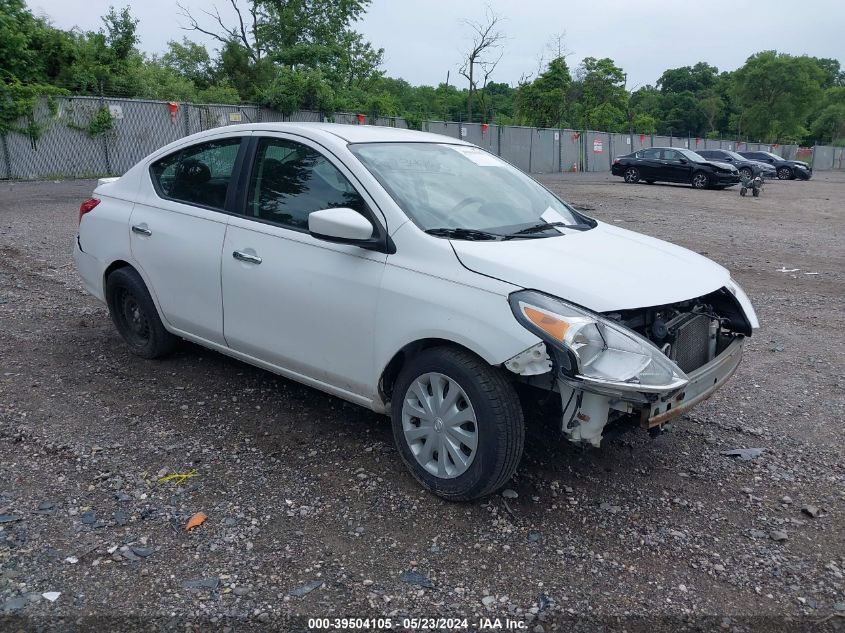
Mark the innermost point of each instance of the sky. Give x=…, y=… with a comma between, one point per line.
x=424, y=39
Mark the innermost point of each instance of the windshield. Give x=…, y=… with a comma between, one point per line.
x=691, y=155
x=735, y=156
x=770, y=155
x=460, y=188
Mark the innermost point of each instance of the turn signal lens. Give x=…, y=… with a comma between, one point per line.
x=551, y=325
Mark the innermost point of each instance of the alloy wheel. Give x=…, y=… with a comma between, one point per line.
x=440, y=425
x=784, y=173
x=632, y=175
x=699, y=181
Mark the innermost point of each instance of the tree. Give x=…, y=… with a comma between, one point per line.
x=483, y=56
x=189, y=60
x=598, y=95
x=542, y=103
x=775, y=93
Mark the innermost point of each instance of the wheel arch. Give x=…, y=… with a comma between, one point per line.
x=388, y=375
x=122, y=263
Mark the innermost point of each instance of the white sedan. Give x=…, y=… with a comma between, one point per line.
x=413, y=274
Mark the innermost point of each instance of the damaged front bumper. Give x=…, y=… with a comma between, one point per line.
x=587, y=408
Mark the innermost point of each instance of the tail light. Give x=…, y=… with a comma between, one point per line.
x=87, y=206
x=615, y=161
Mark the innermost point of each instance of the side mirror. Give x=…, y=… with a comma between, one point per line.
x=342, y=225
x=683, y=161
x=728, y=159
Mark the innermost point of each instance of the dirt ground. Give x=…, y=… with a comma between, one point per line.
x=311, y=514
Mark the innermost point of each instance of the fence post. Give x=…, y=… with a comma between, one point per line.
x=610, y=151
x=6, y=157
x=105, y=139
x=185, y=107
x=530, y=150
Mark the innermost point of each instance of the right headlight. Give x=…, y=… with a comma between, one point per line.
x=604, y=352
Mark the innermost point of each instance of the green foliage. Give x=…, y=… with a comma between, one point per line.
x=100, y=123
x=291, y=90
x=306, y=54
x=776, y=93
x=542, y=103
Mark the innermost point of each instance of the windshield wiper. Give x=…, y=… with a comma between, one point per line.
x=545, y=226
x=464, y=234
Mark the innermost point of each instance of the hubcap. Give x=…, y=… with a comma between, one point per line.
x=699, y=181
x=440, y=426
x=632, y=175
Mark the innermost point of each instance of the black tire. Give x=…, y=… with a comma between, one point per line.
x=632, y=175
x=785, y=173
x=500, y=427
x=135, y=316
x=700, y=180
x=755, y=193
x=743, y=191
x=746, y=173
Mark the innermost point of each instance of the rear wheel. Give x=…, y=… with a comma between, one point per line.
x=135, y=316
x=700, y=180
x=632, y=175
x=457, y=423
x=785, y=173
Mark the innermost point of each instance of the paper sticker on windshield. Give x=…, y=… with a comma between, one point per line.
x=479, y=157
x=553, y=215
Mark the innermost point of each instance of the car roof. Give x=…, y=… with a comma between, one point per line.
x=348, y=133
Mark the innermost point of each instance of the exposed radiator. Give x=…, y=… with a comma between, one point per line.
x=691, y=347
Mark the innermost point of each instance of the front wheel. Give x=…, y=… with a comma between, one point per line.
x=457, y=423
x=700, y=180
x=134, y=315
x=632, y=175
x=785, y=173
x=746, y=173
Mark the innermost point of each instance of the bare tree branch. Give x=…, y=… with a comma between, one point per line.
x=227, y=34
x=486, y=40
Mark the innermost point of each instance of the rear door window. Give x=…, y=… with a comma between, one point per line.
x=198, y=175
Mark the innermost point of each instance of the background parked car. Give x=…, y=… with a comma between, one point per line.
x=786, y=169
x=674, y=164
x=747, y=167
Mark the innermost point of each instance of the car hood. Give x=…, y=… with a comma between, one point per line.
x=721, y=165
x=603, y=269
x=762, y=165
x=799, y=162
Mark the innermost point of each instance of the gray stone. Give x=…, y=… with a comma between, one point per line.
x=508, y=493
x=416, y=578
x=202, y=583
x=10, y=518
x=305, y=589
x=14, y=604
x=143, y=552
x=778, y=535
x=488, y=601
x=89, y=518
x=745, y=454
x=812, y=511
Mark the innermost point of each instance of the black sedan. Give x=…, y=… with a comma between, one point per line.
x=674, y=164
x=747, y=168
x=787, y=169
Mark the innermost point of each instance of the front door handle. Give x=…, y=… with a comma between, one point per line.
x=246, y=257
x=141, y=230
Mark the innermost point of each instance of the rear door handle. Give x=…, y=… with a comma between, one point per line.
x=141, y=230
x=246, y=257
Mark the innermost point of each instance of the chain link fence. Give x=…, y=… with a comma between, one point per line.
x=92, y=136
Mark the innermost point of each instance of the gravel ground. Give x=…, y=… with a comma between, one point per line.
x=310, y=512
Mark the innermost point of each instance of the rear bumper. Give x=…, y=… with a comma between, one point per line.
x=703, y=383
x=90, y=270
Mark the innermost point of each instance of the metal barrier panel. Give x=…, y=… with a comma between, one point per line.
x=516, y=146
x=838, y=158
x=140, y=128
x=712, y=144
x=61, y=150
x=544, y=151
x=5, y=169
x=661, y=141
x=822, y=158
x=621, y=144
x=441, y=127
x=596, y=151
x=570, y=149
